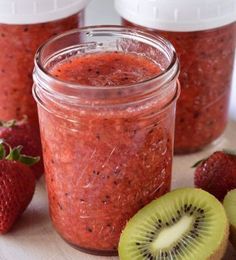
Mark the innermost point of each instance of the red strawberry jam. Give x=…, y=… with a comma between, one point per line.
x=107, y=141
x=18, y=44
x=207, y=59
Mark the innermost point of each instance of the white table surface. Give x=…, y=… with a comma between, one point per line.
x=33, y=237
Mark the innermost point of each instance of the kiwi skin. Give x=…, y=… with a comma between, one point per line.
x=230, y=208
x=218, y=252
x=232, y=236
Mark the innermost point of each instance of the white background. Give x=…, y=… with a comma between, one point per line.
x=103, y=12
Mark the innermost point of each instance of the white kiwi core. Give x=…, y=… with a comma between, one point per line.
x=172, y=234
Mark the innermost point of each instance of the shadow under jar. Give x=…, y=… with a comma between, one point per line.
x=24, y=26
x=106, y=102
x=204, y=34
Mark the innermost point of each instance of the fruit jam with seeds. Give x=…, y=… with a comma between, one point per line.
x=104, y=164
x=207, y=59
x=18, y=44
x=106, y=110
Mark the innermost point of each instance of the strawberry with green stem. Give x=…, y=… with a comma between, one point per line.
x=17, y=184
x=22, y=133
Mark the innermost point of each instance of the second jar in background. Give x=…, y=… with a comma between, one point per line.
x=203, y=33
x=24, y=25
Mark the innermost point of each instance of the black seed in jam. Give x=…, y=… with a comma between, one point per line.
x=89, y=229
x=26, y=29
x=52, y=161
x=2, y=35
x=96, y=172
x=151, y=131
x=60, y=206
x=97, y=72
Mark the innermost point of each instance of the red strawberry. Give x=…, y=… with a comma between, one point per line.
x=17, y=185
x=21, y=133
x=217, y=174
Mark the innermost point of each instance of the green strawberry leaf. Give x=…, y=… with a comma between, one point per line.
x=198, y=163
x=13, y=122
x=8, y=124
x=29, y=160
x=14, y=153
x=2, y=151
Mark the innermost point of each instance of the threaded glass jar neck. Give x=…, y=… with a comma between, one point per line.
x=97, y=39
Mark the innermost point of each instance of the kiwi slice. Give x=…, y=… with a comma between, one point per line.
x=185, y=224
x=230, y=208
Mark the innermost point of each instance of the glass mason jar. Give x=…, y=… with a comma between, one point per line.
x=24, y=26
x=204, y=34
x=107, y=149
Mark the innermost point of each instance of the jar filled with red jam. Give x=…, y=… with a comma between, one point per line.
x=24, y=26
x=203, y=33
x=106, y=107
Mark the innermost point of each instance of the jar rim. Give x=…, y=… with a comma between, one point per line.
x=170, y=72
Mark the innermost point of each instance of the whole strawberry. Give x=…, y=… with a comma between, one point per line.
x=17, y=185
x=217, y=174
x=21, y=133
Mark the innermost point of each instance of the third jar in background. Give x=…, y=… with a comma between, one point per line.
x=24, y=25
x=203, y=33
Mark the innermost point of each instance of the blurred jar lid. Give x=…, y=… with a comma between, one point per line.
x=38, y=11
x=178, y=15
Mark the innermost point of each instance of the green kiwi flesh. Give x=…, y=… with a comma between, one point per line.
x=230, y=208
x=185, y=224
